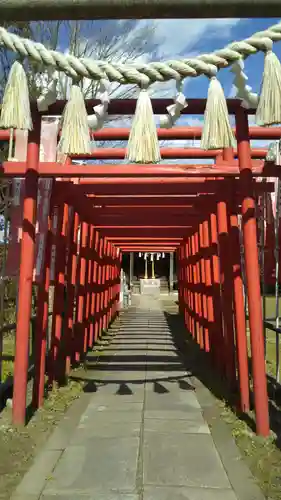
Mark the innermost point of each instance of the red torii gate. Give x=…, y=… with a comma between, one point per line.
x=188, y=208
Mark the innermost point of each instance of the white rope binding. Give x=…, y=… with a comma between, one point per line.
x=48, y=95
x=97, y=120
x=243, y=91
x=174, y=111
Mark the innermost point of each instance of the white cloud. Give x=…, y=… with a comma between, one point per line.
x=178, y=35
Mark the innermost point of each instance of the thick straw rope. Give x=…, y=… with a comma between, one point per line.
x=142, y=74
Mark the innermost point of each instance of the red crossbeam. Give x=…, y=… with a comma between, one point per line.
x=129, y=173
x=175, y=133
x=148, y=249
x=166, y=153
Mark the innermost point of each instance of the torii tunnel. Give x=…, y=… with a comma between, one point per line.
x=191, y=210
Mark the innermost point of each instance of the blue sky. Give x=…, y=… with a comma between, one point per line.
x=181, y=38
x=187, y=38
x=177, y=38
x=240, y=30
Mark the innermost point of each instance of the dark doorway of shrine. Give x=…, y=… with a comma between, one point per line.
x=139, y=265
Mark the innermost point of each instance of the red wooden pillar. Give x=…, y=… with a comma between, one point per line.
x=107, y=286
x=215, y=270
x=104, y=283
x=113, y=279
x=226, y=284
x=26, y=275
x=72, y=265
x=184, y=277
x=240, y=319
x=185, y=282
x=195, y=293
x=114, y=282
x=70, y=288
x=56, y=361
x=99, y=283
x=183, y=285
x=206, y=339
x=252, y=273
x=208, y=284
x=103, y=276
x=199, y=289
x=41, y=329
x=94, y=307
x=115, y=275
x=179, y=276
x=80, y=297
x=182, y=258
x=118, y=278
x=191, y=301
x=228, y=155
x=88, y=268
x=110, y=278
x=109, y=299
x=91, y=289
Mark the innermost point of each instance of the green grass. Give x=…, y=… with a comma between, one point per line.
x=8, y=354
x=271, y=345
x=262, y=455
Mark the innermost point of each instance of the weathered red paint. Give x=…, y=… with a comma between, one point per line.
x=239, y=316
x=178, y=133
x=80, y=297
x=41, y=326
x=103, y=174
x=57, y=354
x=26, y=276
x=252, y=274
x=166, y=153
x=226, y=285
x=70, y=290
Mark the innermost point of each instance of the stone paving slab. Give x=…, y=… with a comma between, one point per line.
x=101, y=463
x=109, y=404
x=188, y=425
x=118, y=401
x=105, y=429
x=183, y=460
x=179, y=400
x=111, y=416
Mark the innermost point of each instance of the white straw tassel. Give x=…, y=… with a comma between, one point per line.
x=15, y=111
x=217, y=131
x=269, y=107
x=143, y=145
x=75, y=134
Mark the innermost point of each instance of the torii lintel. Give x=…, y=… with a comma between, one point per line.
x=24, y=10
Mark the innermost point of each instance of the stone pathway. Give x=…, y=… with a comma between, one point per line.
x=142, y=435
